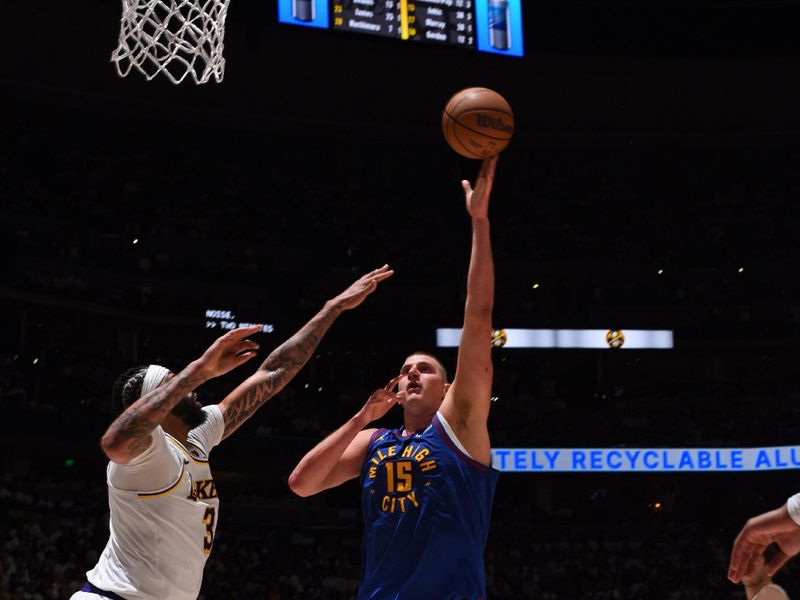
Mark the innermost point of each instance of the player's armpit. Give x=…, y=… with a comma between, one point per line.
x=470, y=427
x=468, y=400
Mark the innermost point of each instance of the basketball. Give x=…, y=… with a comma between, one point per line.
x=477, y=122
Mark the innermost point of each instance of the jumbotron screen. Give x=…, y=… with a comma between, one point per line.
x=485, y=25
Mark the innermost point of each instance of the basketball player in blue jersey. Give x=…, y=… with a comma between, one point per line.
x=162, y=497
x=426, y=488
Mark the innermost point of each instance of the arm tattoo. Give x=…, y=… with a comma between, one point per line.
x=242, y=408
x=139, y=420
x=279, y=368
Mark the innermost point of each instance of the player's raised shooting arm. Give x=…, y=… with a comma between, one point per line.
x=340, y=456
x=466, y=404
x=286, y=360
x=130, y=433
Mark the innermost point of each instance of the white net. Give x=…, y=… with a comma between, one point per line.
x=178, y=38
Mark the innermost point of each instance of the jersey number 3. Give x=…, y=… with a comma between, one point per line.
x=208, y=520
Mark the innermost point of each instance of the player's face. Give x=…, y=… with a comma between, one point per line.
x=422, y=382
x=188, y=409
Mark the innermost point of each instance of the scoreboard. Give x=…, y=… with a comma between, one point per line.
x=493, y=26
x=411, y=20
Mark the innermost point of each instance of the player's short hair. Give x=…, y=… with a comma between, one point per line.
x=438, y=363
x=128, y=388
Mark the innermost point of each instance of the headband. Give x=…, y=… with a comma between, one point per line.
x=154, y=376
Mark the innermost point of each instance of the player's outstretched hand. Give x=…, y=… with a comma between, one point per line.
x=758, y=533
x=381, y=401
x=363, y=287
x=229, y=351
x=478, y=199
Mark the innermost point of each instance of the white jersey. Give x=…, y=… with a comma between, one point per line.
x=160, y=537
x=771, y=592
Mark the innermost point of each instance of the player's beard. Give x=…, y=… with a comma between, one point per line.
x=189, y=412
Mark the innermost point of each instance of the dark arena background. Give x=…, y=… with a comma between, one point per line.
x=653, y=183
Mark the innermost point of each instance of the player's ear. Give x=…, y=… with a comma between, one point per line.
x=446, y=387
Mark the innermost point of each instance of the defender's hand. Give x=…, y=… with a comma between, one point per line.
x=363, y=287
x=228, y=352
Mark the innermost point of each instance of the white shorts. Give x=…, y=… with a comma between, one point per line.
x=87, y=596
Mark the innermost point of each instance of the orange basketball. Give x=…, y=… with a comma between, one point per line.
x=477, y=122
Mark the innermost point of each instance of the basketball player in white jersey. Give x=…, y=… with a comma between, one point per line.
x=162, y=498
x=778, y=530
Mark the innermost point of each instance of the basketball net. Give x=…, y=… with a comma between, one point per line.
x=173, y=37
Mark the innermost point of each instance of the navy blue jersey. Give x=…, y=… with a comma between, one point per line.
x=426, y=508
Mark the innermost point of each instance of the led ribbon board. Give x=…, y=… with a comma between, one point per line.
x=615, y=339
x=645, y=460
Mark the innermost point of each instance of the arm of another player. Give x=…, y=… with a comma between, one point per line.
x=339, y=457
x=287, y=359
x=759, y=532
x=466, y=404
x=129, y=435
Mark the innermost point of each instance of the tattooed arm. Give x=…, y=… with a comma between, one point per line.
x=129, y=435
x=287, y=359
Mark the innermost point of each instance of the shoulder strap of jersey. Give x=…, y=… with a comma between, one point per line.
x=376, y=434
x=449, y=437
